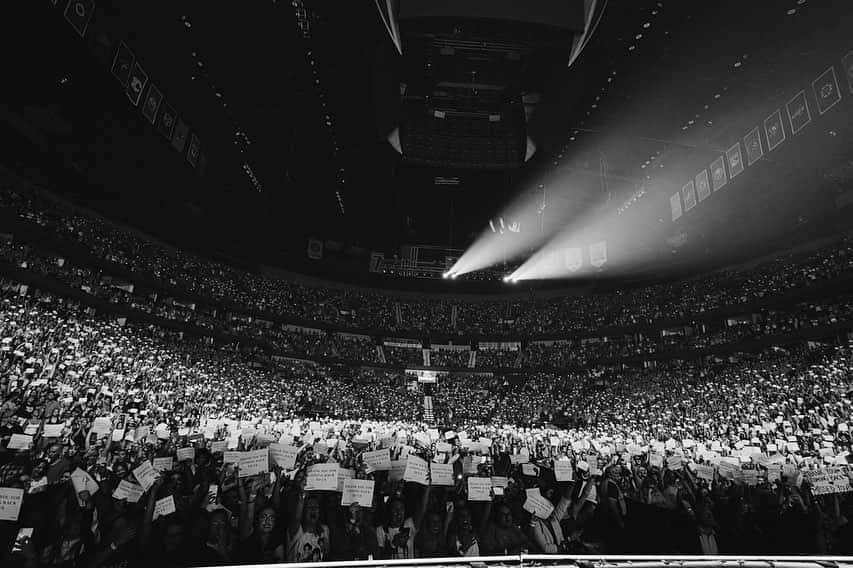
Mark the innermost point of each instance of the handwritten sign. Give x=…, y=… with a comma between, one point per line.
x=479, y=489
x=536, y=504
x=358, y=491
x=254, y=462
x=127, y=490
x=705, y=472
x=828, y=481
x=218, y=446
x=164, y=506
x=53, y=430
x=20, y=442
x=82, y=481
x=322, y=477
x=186, y=454
x=442, y=474
x=10, y=503
x=563, y=470
x=163, y=464
x=379, y=460
x=146, y=475
x=284, y=455
x=417, y=470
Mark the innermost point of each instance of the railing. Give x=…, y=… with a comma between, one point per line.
x=598, y=561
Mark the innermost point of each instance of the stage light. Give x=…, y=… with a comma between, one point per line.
x=453, y=276
x=506, y=278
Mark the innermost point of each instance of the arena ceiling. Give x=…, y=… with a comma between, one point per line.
x=293, y=109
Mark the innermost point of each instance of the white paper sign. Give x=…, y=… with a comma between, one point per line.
x=254, y=462
x=146, y=475
x=417, y=470
x=358, y=491
x=563, y=470
x=479, y=489
x=53, y=430
x=82, y=481
x=537, y=504
x=379, y=460
x=127, y=490
x=284, y=455
x=10, y=503
x=163, y=464
x=20, y=442
x=442, y=474
x=186, y=454
x=322, y=477
x=164, y=506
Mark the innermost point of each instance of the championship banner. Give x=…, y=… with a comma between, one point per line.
x=152, y=103
x=122, y=64
x=798, y=112
x=574, y=258
x=752, y=143
x=847, y=62
x=703, y=187
x=826, y=90
x=179, y=138
x=774, y=130
x=166, y=121
x=675, y=205
x=136, y=84
x=598, y=254
x=735, y=160
x=718, y=173
x=193, y=150
x=78, y=13
x=688, y=192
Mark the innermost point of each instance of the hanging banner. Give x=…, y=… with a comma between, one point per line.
x=688, y=192
x=179, y=138
x=718, y=173
x=78, y=13
x=703, y=187
x=136, y=84
x=152, y=103
x=735, y=160
x=193, y=150
x=675, y=205
x=826, y=90
x=122, y=64
x=598, y=254
x=574, y=258
x=752, y=143
x=798, y=112
x=774, y=130
x=166, y=121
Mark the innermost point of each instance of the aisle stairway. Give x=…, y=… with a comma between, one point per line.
x=429, y=418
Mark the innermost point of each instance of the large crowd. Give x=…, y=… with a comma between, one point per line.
x=387, y=312
x=288, y=430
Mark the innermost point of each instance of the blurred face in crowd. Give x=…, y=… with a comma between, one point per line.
x=266, y=520
x=397, y=513
x=504, y=517
x=311, y=512
x=434, y=523
x=54, y=452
